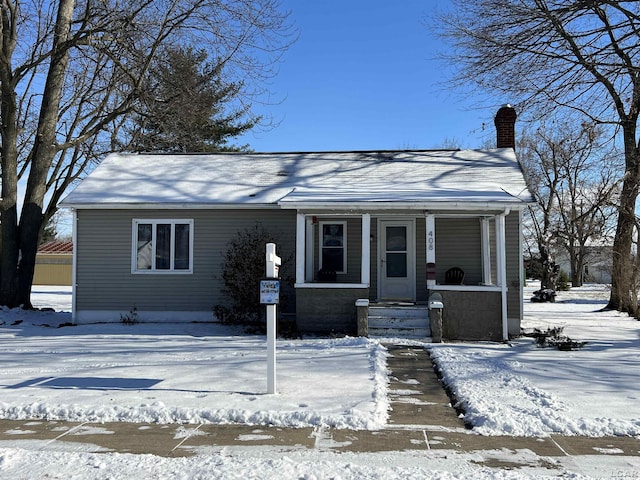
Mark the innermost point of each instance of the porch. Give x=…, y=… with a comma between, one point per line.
x=402, y=256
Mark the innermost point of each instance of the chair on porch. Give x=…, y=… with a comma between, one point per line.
x=454, y=276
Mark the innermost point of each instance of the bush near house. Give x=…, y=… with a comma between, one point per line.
x=563, y=282
x=554, y=338
x=243, y=267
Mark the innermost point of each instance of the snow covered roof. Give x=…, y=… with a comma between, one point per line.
x=390, y=179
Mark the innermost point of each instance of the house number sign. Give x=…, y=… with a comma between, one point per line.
x=430, y=240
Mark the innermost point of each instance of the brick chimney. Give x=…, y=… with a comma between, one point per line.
x=505, y=122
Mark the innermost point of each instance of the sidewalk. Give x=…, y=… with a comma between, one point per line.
x=421, y=419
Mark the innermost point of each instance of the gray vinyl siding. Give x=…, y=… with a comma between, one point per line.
x=458, y=244
x=104, y=251
x=354, y=253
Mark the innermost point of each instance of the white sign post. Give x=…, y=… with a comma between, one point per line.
x=273, y=267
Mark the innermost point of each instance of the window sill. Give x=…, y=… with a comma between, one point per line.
x=331, y=285
x=466, y=288
x=162, y=272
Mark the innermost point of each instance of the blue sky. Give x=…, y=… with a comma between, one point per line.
x=364, y=76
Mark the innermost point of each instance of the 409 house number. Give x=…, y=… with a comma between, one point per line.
x=430, y=240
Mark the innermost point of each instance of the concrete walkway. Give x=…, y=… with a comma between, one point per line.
x=421, y=419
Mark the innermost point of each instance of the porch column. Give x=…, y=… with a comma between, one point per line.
x=486, y=251
x=309, y=258
x=430, y=245
x=501, y=257
x=365, y=272
x=300, y=247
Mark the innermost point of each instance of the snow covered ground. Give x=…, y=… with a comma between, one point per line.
x=519, y=389
x=191, y=373
x=199, y=373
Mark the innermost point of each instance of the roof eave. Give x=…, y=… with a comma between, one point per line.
x=431, y=205
x=307, y=205
x=167, y=206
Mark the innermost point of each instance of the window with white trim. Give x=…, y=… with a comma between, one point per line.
x=162, y=246
x=333, y=246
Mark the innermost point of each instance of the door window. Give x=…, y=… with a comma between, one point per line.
x=396, y=254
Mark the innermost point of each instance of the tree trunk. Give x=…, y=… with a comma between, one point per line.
x=578, y=259
x=548, y=274
x=576, y=269
x=579, y=280
x=621, y=273
x=8, y=278
x=9, y=160
x=44, y=150
x=620, y=298
x=30, y=223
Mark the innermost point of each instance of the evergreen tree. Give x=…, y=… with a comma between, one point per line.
x=49, y=231
x=188, y=107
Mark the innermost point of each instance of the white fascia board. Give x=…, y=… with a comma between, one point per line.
x=368, y=206
x=303, y=206
x=169, y=206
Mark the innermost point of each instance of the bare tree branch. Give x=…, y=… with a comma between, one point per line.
x=71, y=73
x=548, y=55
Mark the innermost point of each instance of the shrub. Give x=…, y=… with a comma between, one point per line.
x=534, y=268
x=562, y=284
x=554, y=338
x=243, y=267
x=130, y=318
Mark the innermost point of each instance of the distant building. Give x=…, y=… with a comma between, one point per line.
x=54, y=262
x=597, y=269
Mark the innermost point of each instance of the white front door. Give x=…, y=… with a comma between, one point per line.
x=396, y=266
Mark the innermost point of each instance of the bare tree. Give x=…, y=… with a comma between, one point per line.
x=70, y=73
x=574, y=180
x=543, y=178
x=548, y=54
x=586, y=203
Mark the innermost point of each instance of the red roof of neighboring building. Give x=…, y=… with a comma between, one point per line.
x=56, y=246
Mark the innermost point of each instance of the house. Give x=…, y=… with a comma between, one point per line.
x=151, y=230
x=54, y=261
x=598, y=265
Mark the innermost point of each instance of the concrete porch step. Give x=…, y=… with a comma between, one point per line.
x=423, y=333
x=399, y=320
x=395, y=310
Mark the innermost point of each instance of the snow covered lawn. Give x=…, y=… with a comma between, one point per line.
x=192, y=373
x=519, y=389
x=203, y=373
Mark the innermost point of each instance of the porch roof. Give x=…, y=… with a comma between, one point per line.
x=436, y=198
x=289, y=180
